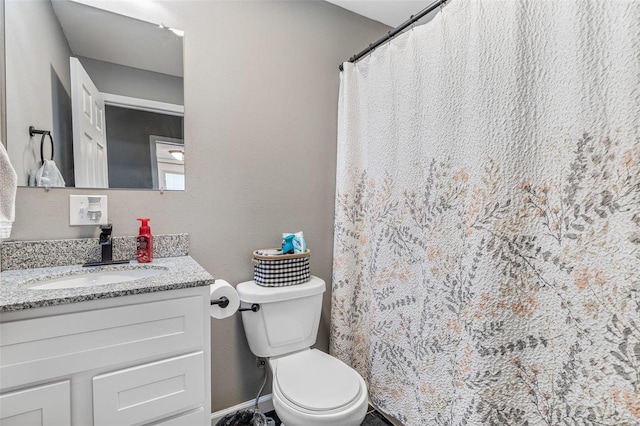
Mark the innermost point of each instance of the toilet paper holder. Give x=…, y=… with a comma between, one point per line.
x=223, y=302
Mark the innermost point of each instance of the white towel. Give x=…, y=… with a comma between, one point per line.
x=46, y=175
x=8, y=188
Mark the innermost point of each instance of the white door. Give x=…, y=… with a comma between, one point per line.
x=89, y=131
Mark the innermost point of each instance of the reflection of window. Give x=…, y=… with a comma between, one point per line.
x=174, y=181
x=167, y=170
x=171, y=176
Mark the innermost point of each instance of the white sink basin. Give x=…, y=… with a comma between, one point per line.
x=96, y=278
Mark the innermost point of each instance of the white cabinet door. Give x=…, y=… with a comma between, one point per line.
x=149, y=391
x=48, y=405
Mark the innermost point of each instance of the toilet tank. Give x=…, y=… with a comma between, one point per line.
x=288, y=318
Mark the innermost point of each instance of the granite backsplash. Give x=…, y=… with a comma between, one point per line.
x=15, y=255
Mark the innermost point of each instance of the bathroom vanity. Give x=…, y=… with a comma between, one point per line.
x=130, y=353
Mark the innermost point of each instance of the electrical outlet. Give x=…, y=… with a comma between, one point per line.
x=86, y=211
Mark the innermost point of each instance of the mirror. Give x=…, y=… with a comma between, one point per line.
x=107, y=88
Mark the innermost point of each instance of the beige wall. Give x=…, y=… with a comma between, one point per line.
x=261, y=87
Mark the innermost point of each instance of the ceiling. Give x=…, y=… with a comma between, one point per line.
x=389, y=12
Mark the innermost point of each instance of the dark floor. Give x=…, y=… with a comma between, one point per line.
x=373, y=418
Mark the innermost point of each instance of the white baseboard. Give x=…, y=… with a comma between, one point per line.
x=265, y=404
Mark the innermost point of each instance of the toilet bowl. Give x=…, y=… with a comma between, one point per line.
x=309, y=387
x=312, y=388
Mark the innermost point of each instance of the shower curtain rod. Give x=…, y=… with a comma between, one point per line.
x=394, y=32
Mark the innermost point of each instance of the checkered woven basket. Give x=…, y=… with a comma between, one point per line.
x=281, y=271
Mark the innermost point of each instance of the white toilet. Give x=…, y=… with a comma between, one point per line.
x=310, y=388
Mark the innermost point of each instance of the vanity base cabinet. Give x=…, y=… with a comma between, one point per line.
x=48, y=405
x=132, y=360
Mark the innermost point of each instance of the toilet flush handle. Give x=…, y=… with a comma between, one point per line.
x=255, y=308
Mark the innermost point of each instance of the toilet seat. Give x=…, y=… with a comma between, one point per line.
x=316, y=382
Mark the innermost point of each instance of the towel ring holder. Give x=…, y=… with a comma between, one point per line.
x=44, y=133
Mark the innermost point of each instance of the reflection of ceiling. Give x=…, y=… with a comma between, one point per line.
x=389, y=12
x=93, y=33
x=163, y=152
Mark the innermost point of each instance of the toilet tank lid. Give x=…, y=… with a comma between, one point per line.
x=250, y=292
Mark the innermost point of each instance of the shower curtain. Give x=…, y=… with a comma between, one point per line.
x=487, y=229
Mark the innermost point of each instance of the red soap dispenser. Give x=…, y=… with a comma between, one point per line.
x=144, y=250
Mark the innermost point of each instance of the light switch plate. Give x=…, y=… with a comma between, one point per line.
x=78, y=205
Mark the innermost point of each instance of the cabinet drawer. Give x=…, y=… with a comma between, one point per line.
x=192, y=418
x=149, y=391
x=48, y=405
x=43, y=348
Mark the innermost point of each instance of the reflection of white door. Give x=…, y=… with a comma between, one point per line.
x=89, y=131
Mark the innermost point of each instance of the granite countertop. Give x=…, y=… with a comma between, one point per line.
x=15, y=294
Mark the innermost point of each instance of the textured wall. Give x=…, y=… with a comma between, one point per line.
x=261, y=87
